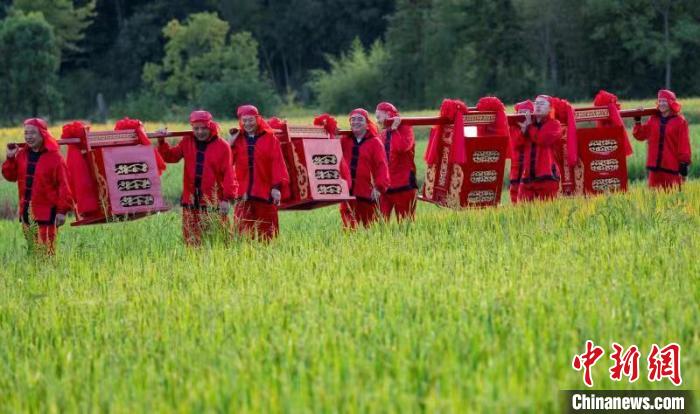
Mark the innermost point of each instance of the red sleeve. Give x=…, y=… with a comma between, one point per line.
x=169, y=154
x=228, y=178
x=684, y=151
x=280, y=176
x=641, y=132
x=380, y=172
x=65, y=197
x=9, y=168
x=402, y=139
x=235, y=152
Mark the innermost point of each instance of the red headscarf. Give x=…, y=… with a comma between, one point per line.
x=389, y=108
x=250, y=110
x=205, y=118
x=328, y=123
x=137, y=126
x=491, y=103
x=671, y=98
x=605, y=98
x=50, y=143
x=562, y=110
x=453, y=110
x=524, y=106
x=371, y=126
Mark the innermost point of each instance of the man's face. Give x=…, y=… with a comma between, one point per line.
x=201, y=131
x=523, y=111
x=381, y=116
x=32, y=137
x=358, y=125
x=663, y=105
x=250, y=124
x=542, y=107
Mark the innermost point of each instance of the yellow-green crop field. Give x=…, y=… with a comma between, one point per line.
x=460, y=311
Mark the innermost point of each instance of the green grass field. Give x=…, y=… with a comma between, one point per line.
x=471, y=311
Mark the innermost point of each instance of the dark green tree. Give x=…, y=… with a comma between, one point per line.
x=28, y=75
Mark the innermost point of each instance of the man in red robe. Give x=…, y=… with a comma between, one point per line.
x=42, y=181
x=369, y=172
x=668, y=143
x=208, y=181
x=399, y=148
x=540, y=176
x=261, y=172
x=517, y=149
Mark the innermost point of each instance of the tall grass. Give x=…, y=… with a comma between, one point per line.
x=472, y=311
x=475, y=311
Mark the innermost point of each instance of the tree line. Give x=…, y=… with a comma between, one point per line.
x=158, y=59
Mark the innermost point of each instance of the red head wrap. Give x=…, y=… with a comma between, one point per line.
x=50, y=143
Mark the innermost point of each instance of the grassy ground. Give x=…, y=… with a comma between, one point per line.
x=477, y=311
x=474, y=311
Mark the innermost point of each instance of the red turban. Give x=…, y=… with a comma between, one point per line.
x=671, y=98
x=250, y=110
x=389, y=108
x=371, y=126
x=49, y=141
x=205, y=118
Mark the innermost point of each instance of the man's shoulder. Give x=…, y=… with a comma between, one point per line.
x=218, y=142
x=375, y=141
x=405, y=128
x=52, y=156
x=552, y=123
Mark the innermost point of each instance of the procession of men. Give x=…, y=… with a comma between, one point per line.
x=246, y=172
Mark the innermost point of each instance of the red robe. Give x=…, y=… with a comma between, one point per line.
x=400, y=149
x=368, y=166
x=42, y=183
x=207, y=179
x=368, y=170
x=260, y=167
x=668, y=146
x=668, y=143
x=540, y=176
x=48, y=193
x=208, y=176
